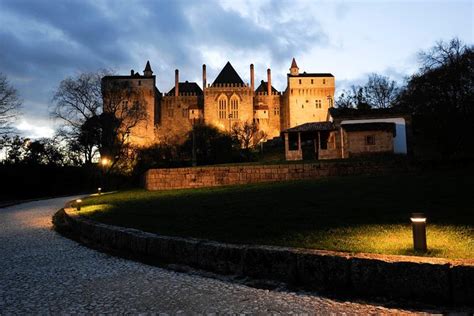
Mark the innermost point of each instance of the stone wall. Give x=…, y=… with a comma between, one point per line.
x=430, y=280
x=356, y=145
x=181, y=178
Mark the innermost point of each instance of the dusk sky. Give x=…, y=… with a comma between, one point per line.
x=43, y=42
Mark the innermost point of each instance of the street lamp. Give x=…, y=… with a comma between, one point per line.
x=418, y=221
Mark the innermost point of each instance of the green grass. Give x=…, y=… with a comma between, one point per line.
x=354, y=214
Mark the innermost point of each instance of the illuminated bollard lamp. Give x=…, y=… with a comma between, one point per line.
x=99, y=191
x=418, y=222
x=78, y=204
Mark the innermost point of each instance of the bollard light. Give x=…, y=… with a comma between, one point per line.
x=99, y=191
x=78, y=204
x=418, y=222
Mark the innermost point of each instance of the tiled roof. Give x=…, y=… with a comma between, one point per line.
x=228, y=75
x=355, y=113
x=263, y=87
x=187, y=88
x=304, y=74
x=312, y=127
x=376, y=126
x=148, y=67
x=293, y=63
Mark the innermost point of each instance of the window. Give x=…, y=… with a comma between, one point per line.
x=222, y=107
x=300, y=81
x=139, y=82
x=234, y=107
x=125, y=104
x=370, y=140
x=276, y=111
x=324, y=81
x=317, y=104
x=184, y=112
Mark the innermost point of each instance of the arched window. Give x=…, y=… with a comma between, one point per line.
x=234, y=107
x=222, y=104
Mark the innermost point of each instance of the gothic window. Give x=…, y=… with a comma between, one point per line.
x=276, y=110
x=312, y=81
x=317, y=104
x=300, y=81
x=234, y=107
x=222, y=104
x=324, y=81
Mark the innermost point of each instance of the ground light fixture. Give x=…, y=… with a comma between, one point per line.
x=99, y=191
x=418, y=223
x=78, y=204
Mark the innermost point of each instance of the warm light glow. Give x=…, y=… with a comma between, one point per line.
x=104, y=161
x=418, y=220
x=78, y=201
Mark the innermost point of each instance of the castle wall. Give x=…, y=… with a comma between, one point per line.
x=175, y=117
x=271, y=122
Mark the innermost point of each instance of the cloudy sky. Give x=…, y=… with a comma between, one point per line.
x=45, y=41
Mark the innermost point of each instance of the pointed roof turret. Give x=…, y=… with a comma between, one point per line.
x=293, y=63
x=228, y=75
x=148, y=72
x=294, y=70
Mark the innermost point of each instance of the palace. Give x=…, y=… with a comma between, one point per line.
x=228, y=101
x=303, y=113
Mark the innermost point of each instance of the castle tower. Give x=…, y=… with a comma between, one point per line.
x=307, y=98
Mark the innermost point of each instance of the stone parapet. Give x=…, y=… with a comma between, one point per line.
x=198, y=177
x=430, y=280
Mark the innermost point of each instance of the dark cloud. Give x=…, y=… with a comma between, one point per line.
x=45, y=41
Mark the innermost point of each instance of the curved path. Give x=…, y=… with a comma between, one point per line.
x=42, y=272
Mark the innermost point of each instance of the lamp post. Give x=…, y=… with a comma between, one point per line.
x=418, y=221
x=78, y=204
x=104, y=162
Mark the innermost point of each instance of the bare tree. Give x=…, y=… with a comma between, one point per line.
x=248, y=134
x=380, y=92
x=76, y=100
x=443, y=54
x=123, y=110
x=9, y=105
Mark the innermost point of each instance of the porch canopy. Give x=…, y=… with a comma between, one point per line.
x=306, y=140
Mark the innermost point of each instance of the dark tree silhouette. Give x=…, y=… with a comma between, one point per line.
x=441, y=98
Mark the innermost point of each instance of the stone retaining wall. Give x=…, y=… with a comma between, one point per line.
x=414, y=278
x=181, y=178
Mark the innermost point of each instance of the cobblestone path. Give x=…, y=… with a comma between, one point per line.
x=44, y=273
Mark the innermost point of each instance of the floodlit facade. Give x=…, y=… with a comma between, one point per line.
x=227, y=101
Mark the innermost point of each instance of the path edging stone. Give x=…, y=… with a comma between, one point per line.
x=429, y=280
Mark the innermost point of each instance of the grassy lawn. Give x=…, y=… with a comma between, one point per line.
x=354, y=214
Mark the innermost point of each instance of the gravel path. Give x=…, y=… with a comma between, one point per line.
x=44, y=273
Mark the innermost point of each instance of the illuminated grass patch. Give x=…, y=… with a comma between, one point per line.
x=354, y=214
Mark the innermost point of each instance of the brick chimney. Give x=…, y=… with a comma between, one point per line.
x=204, y=78
x=176, y=82
x=252, y=78
x=269, y=81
